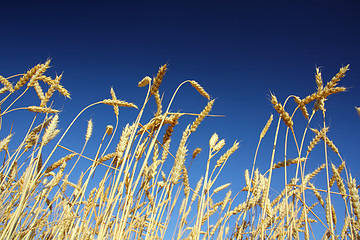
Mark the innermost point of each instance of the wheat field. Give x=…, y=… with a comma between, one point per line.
x=139, y=197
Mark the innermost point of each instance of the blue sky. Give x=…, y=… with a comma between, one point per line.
x=238, y=51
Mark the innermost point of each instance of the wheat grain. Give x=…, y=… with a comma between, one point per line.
x=317, y=194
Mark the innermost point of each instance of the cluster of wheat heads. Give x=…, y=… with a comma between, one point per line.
x=138, y=197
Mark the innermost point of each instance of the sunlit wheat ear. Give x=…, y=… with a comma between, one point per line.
x=180, y=157
x=145, y=81
x=358, y=110
x=118, y=103
x=267, y=126
x=26, y=77
x=326, y=139
x=339, y=170
x=213, y=140
x=5, y=142
x=218, y=146
x=41, y=109
x=288, y=162
x=309, y=176
x=354, y=196
x=42, y=69
x=158, y=79
x=121, y=146
x=39, y=90
x=51, y=130
x=200, y=89
x=317, y=194
x=89, y=130
x=7, y=85
x=196, y=152
x=173, y=120
x=302, y=106
x=202, y=115
x=197, y=189
x=319, y=135
x=339, y=181
x=113, y=96
x=283, y=114
x=334, y=81
x=222, y=187
x=228, y=153
x=186, y=181
x=59, y=162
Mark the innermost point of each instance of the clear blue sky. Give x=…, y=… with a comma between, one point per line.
x=237, y=50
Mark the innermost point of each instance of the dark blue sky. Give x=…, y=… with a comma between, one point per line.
x=238, y=51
